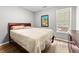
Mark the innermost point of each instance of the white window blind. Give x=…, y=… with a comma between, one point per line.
x=63, y=17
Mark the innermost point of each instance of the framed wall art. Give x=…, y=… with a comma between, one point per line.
x=44, y=20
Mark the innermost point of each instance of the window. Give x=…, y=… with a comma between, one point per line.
x=63, y=17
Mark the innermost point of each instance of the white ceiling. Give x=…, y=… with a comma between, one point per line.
x=39, y=8
x=36, y=8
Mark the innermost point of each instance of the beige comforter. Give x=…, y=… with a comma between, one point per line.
x=33, y=40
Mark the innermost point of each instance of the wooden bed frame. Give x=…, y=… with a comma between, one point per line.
x=15, y=43
x=15, y=24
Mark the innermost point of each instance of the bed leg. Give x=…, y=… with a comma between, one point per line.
x=53, y=39
x=10, y=41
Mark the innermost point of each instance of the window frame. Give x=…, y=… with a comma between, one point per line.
x=70, y=16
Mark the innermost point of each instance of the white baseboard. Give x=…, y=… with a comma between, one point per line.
x=4, y=43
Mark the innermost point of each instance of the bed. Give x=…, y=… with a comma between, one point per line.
x=34, y=40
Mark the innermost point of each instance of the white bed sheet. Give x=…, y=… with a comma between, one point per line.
x=33, y=40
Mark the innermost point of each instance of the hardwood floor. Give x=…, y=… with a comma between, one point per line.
x=11, y=48
x=56, y=47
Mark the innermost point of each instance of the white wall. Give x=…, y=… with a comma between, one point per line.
x=12, y=14
x=77, y=17
x=50, y=13
x=52, y=19
x=18, y=14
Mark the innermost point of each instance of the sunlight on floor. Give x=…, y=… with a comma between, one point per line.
x=58, y=47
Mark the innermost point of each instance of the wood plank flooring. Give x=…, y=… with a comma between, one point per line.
x=9, y=48
x=56, y=47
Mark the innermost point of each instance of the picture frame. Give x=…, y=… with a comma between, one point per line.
x=44, y=21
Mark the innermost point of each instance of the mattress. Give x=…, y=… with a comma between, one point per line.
x=34, y=40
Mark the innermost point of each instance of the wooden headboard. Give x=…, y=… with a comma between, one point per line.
x=16, y=24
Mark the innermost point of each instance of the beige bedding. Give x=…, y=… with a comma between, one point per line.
x=33, y=40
